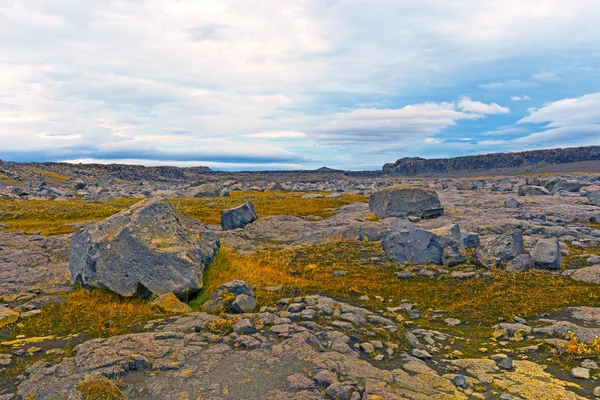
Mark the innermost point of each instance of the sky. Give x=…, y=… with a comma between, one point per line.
x=295, y=84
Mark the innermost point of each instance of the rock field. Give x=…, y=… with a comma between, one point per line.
x=365, y=347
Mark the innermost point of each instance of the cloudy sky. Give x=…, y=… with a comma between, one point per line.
x=267, y=84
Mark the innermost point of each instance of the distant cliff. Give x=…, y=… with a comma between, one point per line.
x=412, y=166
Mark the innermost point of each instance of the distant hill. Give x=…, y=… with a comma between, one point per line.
x=587, y=159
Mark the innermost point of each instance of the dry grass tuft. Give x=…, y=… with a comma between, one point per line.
x=50, y=176
x=208, y=210
x=101, y=389
x=52, y=217
x=309, y=270
x=97, y=313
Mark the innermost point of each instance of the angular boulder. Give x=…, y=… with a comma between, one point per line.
x=238, y=217
x=533, y=191
x=512, y=203
x=507, y=246
x=406, y=243
x=149, y=248
x=546, y=254
x=406, y=201
x=593, y=197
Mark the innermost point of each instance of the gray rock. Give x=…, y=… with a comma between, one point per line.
x=460, y=381
x=149, y=248
x=244, y=304
x=533, y=191
x=507, y=246
x=522, y=263
x=571, y=186
x=512, y=203
x=406, y=201
x=580, y=373
x=593, y=197
x=506, y=364
x=587, y=274
x=238, y=217
x=596, y=391
x=470, y=240
x=546, y=254
x=422, y=354
x=404, y=242
x=244, y=327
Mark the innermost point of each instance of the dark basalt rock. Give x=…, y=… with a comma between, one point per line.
x=149, y=248
x=412, y=166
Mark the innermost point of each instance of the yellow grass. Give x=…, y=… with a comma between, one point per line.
x=52, y=217
x=309, y=270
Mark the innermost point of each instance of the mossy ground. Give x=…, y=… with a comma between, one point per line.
x=52, y=217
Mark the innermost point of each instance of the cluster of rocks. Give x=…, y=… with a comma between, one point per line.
x=299, y=349
x=232, y=297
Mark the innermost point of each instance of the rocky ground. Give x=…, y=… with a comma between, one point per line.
x=372, y=346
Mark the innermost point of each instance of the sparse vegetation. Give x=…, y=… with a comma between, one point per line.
x=50, y=175
x=309, y=270
x=51, y=217
x=578, y=349
x=6, y=179
x=96, y=313
x=208, y=210
x=101, y=389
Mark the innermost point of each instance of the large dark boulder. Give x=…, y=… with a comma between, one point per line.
x=149, y=248
x=546, y=254
x=406, y=243
x=406, y=201
x=507, y=246
x=238, y=217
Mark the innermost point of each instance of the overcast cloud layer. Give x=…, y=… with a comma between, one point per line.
x=260, y=84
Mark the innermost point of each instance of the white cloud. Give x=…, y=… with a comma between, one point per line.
x=278, y=135
x=567, y=122
x=520, y=98
x=413, y=123
x=117, y=71
x=545, y=77
x=508, y=85
x=468, y=105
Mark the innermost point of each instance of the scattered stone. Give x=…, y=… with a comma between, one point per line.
x=460, y=381
x=587, y=274
x=506, y=364
x=7, y=316
x=452, y=321
x=405, y=201
x=170, y=303
x=422, y=354
x=507, y=246
x=533, y=191
x=470, y=240
x=512, y=203
x=238, y=217
x=244, y=327
x=580, y=373
x=521, y=263
x=244, y=304
x=546, y=254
